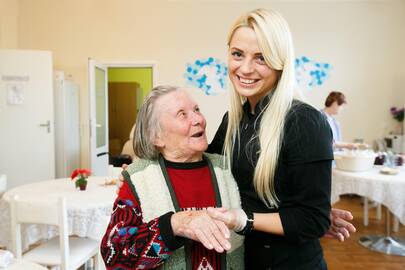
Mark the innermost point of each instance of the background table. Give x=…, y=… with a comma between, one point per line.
x=388, y=190
x=88, y=211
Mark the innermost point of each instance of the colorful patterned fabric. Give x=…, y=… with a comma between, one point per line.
x=129, y=243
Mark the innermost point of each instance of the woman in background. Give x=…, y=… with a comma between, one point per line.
x=333, y=105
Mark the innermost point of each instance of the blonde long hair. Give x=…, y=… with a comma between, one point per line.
x=275, y=43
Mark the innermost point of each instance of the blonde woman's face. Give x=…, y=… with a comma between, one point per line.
x=248, y=71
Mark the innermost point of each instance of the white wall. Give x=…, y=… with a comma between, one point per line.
x=364, y=43
x=363, y=40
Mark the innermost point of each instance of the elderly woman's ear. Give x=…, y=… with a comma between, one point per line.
x=158, y=142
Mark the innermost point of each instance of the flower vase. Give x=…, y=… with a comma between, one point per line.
x=83, y=186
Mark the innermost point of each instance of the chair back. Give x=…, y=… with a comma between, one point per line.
x=3, y=183
x=50, y=213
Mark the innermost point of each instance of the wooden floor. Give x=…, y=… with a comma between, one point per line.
x=350, y=254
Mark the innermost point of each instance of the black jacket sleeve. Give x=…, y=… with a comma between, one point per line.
x=172, y=241
x=307, y=158
x=306, y=215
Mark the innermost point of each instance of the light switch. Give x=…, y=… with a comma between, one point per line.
x=15, y=94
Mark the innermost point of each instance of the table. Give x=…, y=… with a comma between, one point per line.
x=88, y=211
x=388, y=190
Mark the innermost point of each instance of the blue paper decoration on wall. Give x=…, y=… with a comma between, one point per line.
x=209, y=75
x=310, y=73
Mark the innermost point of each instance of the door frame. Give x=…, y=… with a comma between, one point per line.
x=132, y=65
x=98, y=155
x=121, y=64
x=145, y=64
x=140, y=64
x=136, y=64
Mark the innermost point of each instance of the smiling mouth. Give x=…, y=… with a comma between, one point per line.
x=198, y=134
x=247, y=81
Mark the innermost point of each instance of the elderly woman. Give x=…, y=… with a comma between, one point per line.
x=166, y=192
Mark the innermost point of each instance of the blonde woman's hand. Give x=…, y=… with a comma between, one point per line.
x=235, y=219
x=340, y=227
x=199, y=226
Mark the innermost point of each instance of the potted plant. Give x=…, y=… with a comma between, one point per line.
x=80, y=177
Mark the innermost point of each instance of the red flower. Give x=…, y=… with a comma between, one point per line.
x=82, y=173
x=80, y=177
x=74, y=174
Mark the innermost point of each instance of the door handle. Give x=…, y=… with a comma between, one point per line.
x=47, y=125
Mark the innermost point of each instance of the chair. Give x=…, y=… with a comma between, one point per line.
x=128, y=148
x=24, y=265
x=68, y=252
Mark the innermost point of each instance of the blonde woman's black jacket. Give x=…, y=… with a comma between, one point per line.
x=302, y=182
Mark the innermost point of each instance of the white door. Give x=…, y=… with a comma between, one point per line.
x=26, y=116
x=98, y=118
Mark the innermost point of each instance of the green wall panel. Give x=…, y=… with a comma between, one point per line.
x=143, y=76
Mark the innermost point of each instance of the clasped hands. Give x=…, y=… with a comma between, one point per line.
x=211, y=227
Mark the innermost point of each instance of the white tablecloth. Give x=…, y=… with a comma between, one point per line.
x=88, y=211
x=386, y=189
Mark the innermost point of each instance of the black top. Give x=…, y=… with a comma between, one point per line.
x=302, y=184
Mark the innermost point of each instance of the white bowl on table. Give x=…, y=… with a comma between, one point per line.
x=354, y=161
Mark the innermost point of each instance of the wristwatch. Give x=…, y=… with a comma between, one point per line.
x=249, y=224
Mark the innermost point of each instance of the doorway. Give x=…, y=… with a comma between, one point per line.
x=127, y=86
x=130, y=82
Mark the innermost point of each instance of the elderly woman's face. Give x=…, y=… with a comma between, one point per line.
x=183, y=137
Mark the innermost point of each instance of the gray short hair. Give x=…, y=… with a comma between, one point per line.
x=147, y=125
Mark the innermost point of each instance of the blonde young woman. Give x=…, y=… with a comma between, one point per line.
x=279, y=150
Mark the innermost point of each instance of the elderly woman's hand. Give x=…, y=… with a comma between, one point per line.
x=199, y=226
x=340, y=227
